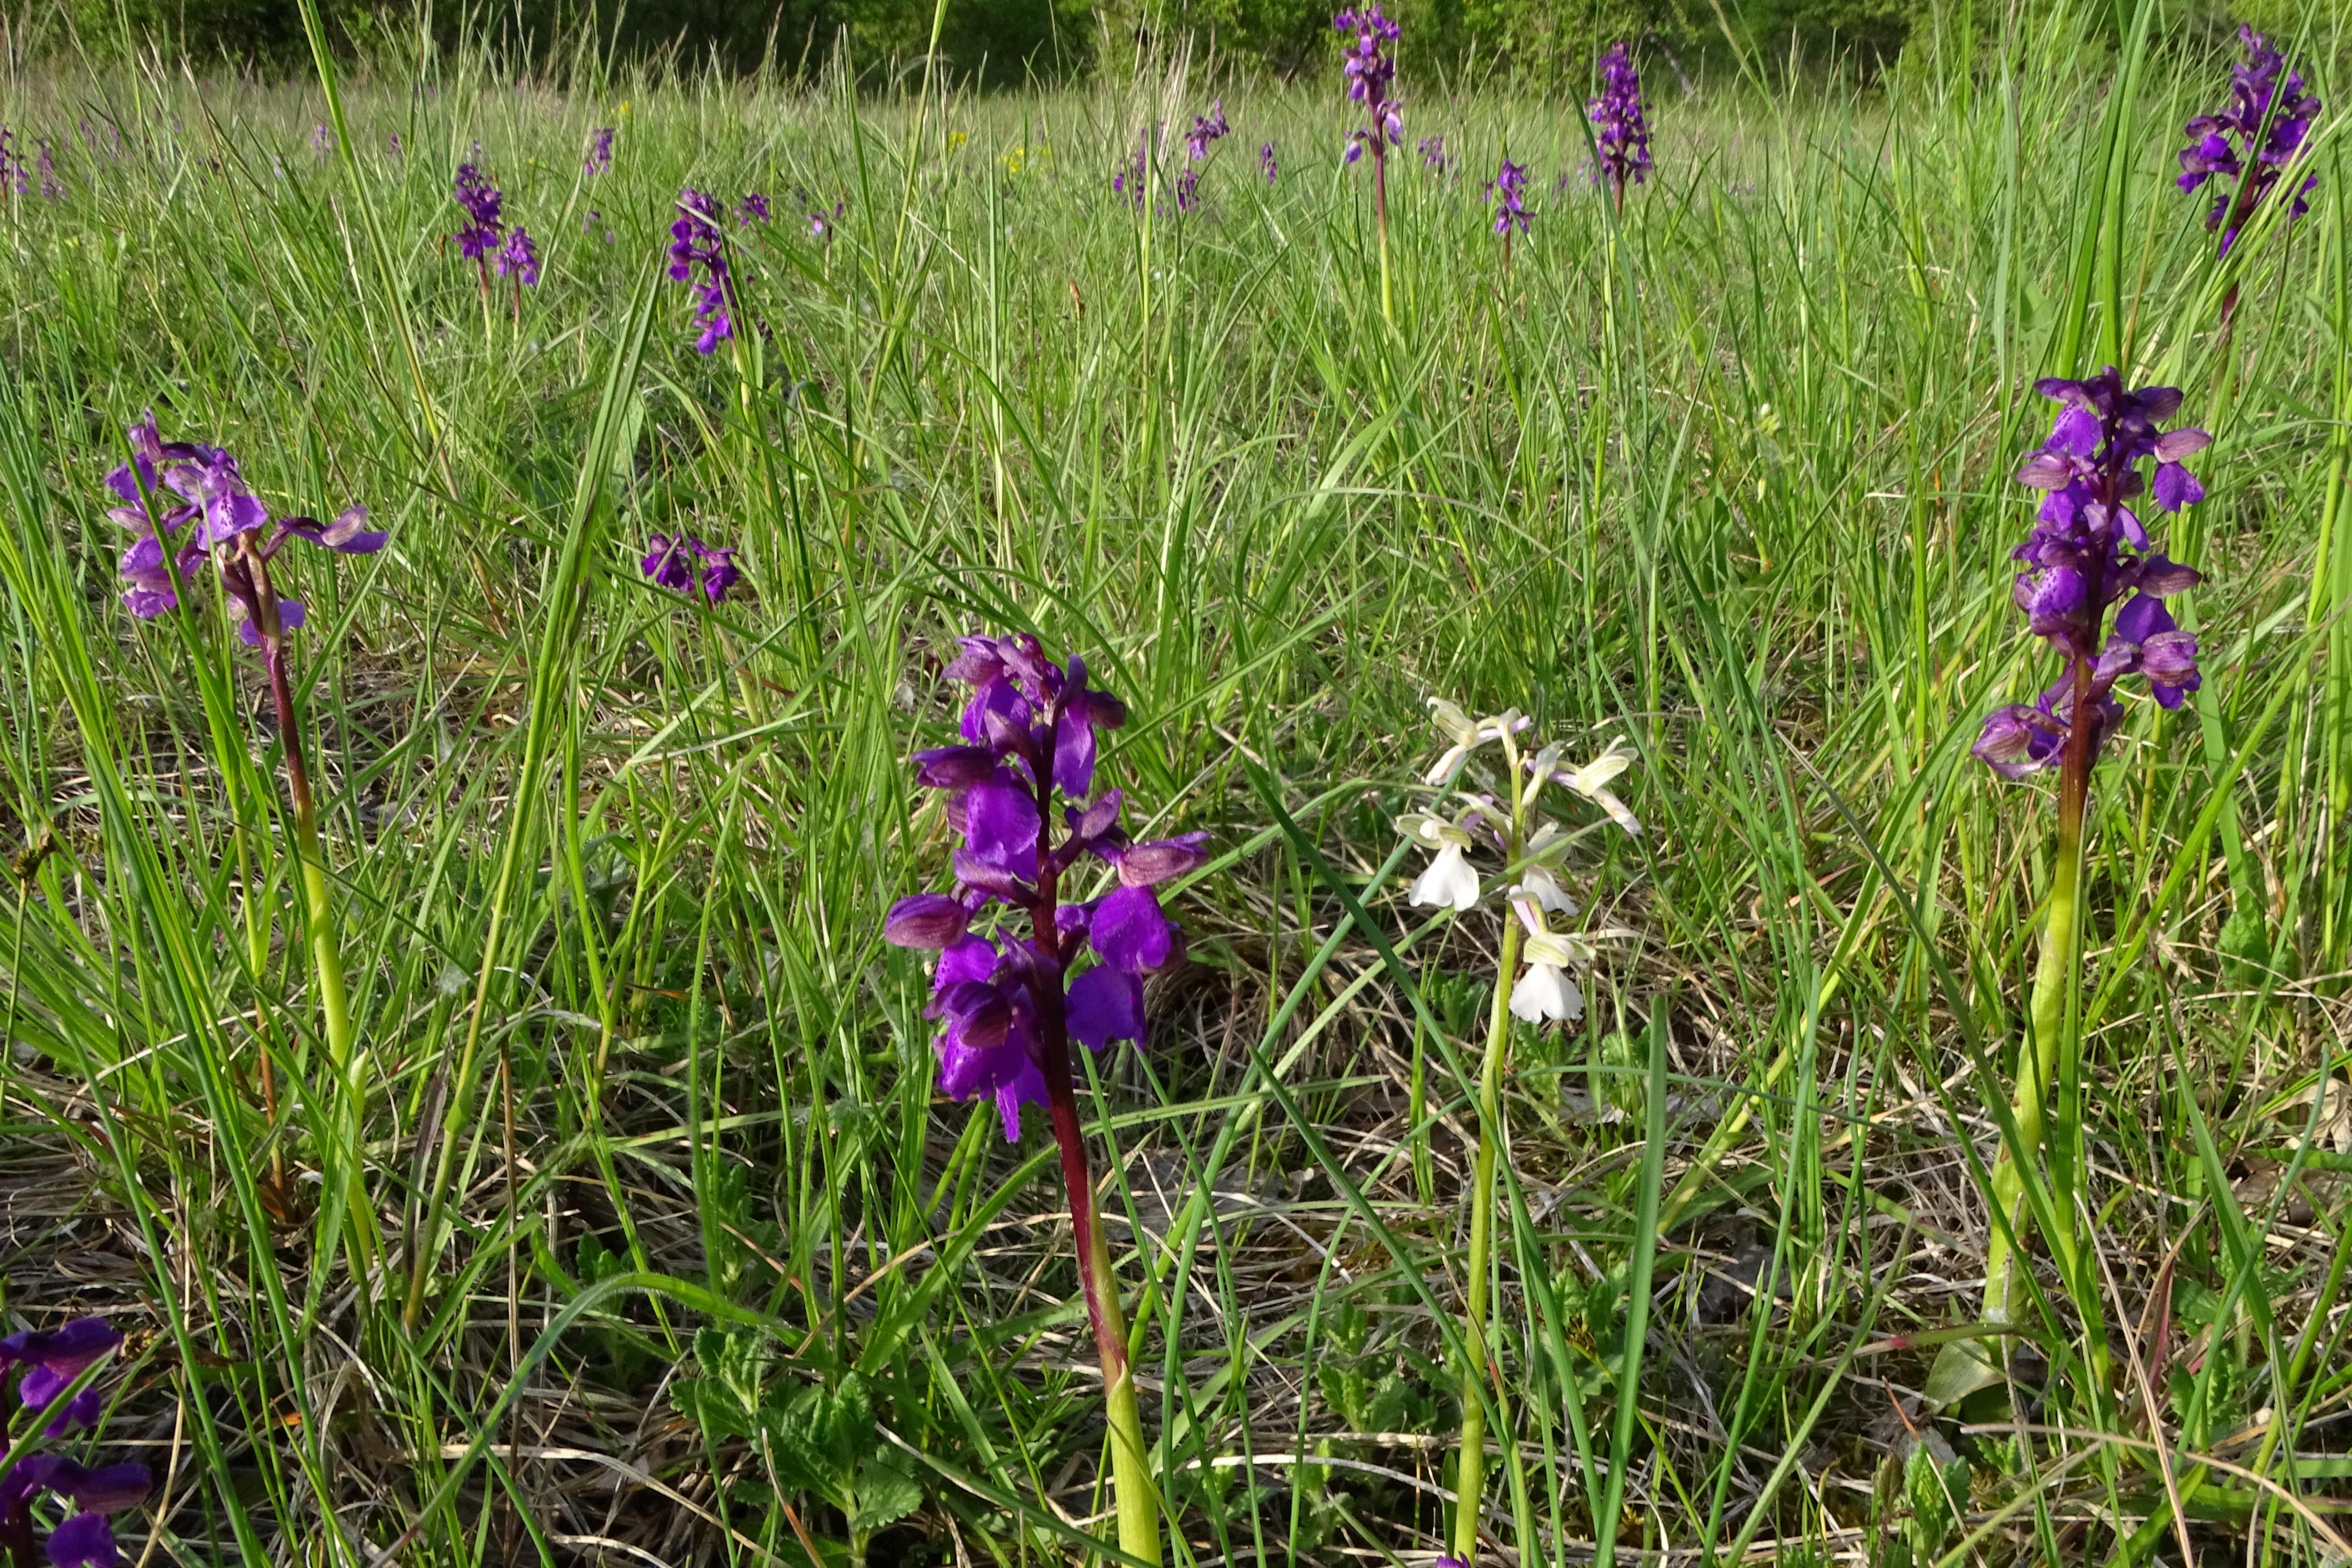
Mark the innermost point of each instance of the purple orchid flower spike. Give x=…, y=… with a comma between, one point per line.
x=751, y=209
x=1134, y=173
x=1022, y=970
x=1507, y=193
x=1621, y=132
x=684, y=564
x=698, y=257
x=518, y=258
x=2088, y=554
x=480, y=201
x=1207, y=130
x=1370, y=72
x=2252, y=142
x=600, y=151
x=1266, y=163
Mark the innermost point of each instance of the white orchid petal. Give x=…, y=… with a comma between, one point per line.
x=1617, y=811
x=1545, y=992
x=1450, y=879
x=1547, y=891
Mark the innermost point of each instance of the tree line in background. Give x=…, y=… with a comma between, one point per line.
x=1006, y=42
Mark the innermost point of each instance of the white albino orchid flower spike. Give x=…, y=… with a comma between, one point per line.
x=1536, y=978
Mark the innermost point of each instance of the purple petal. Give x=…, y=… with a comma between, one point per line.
x=85, y=1540
x=955, y=767
x=111, y=1489
x=1025, y=1086
x=2046, y=471
x=1097, y=818
x=1143, y=865
x=2163, y=577
x=2077, y=433
x=1074, y=754
x=2142, y=618
x=1130, y=932
x=1001, y=827
x=2186, y=442
x=2176, y=487
x=971, y=960
x=1105, y=1005
x=996, y=880
x=22, y=1484
x=930, y=921
x=2168, y=659
x=290, y=614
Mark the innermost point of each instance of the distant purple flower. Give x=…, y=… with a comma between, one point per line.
x=323, y=139
x=1433, y=155
x=823, y=223
x=196, y=506
x=1265, y=162
x=600, y=151
x=1205, y=132
x=2088, y=552
x=391, y=147
x=751, y=209
x=518, y=258
x=479, y=236
x=2264, y=123
x=684, y=564
x=52, y=187
x=697, y=256
x=1620, y=135
x=1207, y=128
x=13, y=173
x=1135, y=173
x=1371, y=69
x=1009, y=1002
x=1505, y=193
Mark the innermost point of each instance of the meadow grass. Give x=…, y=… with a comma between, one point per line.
x=667, y=1248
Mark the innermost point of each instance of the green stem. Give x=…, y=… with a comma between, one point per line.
x=2038, y=1063
x=1380, y=219
x=1471, y=1470
x=349, y=1121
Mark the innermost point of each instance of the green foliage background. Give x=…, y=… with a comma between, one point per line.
x=1006, y=42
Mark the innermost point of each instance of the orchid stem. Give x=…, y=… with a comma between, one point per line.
x=1381, y=221
x=1469, y=1483
x=326, y=956
x=2038, y=1063
x=1132, y=1492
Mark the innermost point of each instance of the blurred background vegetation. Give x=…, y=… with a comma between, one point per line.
x=1003, y=43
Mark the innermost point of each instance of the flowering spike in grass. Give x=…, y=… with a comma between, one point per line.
x=1007, y=999
x=1510, y=823
x=1620, y=130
